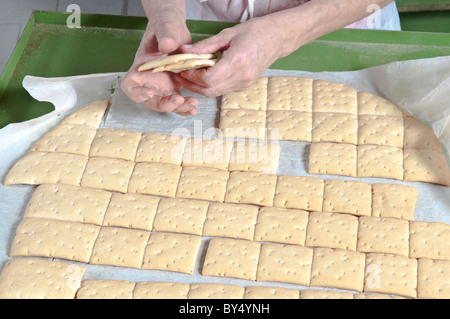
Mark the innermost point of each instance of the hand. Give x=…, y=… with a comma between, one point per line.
x=159, y=91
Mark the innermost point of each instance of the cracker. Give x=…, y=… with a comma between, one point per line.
x=243, y=123
x=418, y=136
x=255, y=156
x=131, y=211
x=215, y=153
x=41, y=237
x=105, y=289
x=370, y=104
x=159, y=179
x=89, y=115
x=324, y=294
x=185, y=65
x=285, y=263
x=352, y=197
x=332, y=230
x=117, y=246
x=289, y=125
x=334, y=127
x=215, y=291
x=383, y=235
x=281, y=225
x=262, y=293
x=230, y=220
x=333, y=97
x=376, y=296
x=69, y=203
x=391, y=274
x=426, y=166
x=115, y=143
x=433, y=279
x=290, y=93
x=301, y=192
x=66, y=138
x=333, y=158
x=251, y=188
x=108, y=174
x=172, y=252
x=163, y=148
x=173, y=59
x=429, y=240
x=394, y=200
x=380, y=130
x=252, y=98
x=235, y=258
x=338, y=268
x=204, y=183
x=36, y=168
x=161, y=290
x=32, y=278
x=180, y=216
x=380, y=161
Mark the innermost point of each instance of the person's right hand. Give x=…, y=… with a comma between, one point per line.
x=165, y=33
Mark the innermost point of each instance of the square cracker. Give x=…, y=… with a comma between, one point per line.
x=41, y=237
x=230, y=220
x=107, y=173
x=215, y=291
x=115, y=143
x=67, y=138
x=352, y=197
x=89, y=115
x=429, y=240
x=426, y=166
x=333, y=158
x=289, y=93
x=172, y=252
x=334, y=127
x=432, y=279
x=234, y=258
x=32, y=278
x=281, y=225
x=260, y=292
x=155, y=147
x=289, y=125
x=37, y=168
x=333, y=97
x=394, y=200
x=324, y=294
x=380, y=130
x=253, y=97
x=204, y=183
x=332, y=230
x=251, y=188
x=301, y=192
x=391, y=274
x=68, y=202
x=285, y=263
x=180, y=215
x=159, y=179
x=131, y=211
x=215, y=153
x=370, y=104
x=161, y=290
x=243, y=123
x=418, y=136
x=256, y=156
x=380, y=161
x=117, y=246
x=338, y=268
x=383, y=235
x=105, y=289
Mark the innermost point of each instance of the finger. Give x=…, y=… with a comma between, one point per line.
x=189, y=107
x=170, y=35
x=221, y=89
x=212, y=44
x=140, y=94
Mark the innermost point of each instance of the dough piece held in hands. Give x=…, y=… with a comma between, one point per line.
x=173, y=59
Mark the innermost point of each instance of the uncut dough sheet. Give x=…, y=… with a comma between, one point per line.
x=401, y=82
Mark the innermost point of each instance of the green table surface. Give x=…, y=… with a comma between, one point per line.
x=104, y=43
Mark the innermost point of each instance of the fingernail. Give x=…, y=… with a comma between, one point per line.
x=187, y=46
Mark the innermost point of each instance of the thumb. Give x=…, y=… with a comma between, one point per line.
x=170, y=36
x=213, y=44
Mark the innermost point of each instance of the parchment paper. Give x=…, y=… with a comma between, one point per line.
x=420, y=87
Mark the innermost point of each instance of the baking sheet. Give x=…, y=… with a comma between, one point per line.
x=420, y=87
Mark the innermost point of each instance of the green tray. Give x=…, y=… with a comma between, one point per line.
x=105, y=43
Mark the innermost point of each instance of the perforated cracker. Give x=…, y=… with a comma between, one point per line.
x=433, y=279
x=89, y=115
x=161, y=290
x=324, y=294
x=334, y=127
x=289, y=125
x=115, y=143
x=429, y=240
x=215, y=153
x=215, y=291
x=243, y=123
x=301, y=192
x=230, y=220
x=380, y=130
x=253, y=97
x=203, y=183
x=255, y=156
x=333, y=97
x=117, y=246
x=235, y=258
x=370, y=104
x=380, y=161
x=418, y=136
x=289, y=93
x=394, y=200
x=41, y=237
x=333, y=159
x=426, y=166
x=172, y=252
x=107, y=173
x=352, y=197
x=260, y=292
x=105, y=289
x=155, y=147
x=285, y=263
